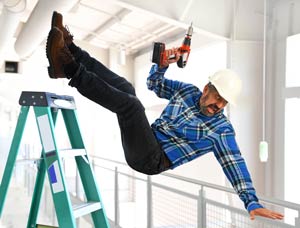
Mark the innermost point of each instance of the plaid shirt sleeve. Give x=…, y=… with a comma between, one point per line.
x=228, y=155
x=164, y=88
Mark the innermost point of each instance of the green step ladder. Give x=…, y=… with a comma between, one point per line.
x=46, y=107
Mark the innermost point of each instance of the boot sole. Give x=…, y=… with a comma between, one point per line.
x=51, y=70
x=53, y=21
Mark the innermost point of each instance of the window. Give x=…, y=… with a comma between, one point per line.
x=292, y=61
x=292, y=123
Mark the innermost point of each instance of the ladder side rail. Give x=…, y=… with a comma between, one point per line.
x=12, y=156
x=82, y=164
x=84, y=168
x=39, y=184
x=76, y=141
x=53, y=164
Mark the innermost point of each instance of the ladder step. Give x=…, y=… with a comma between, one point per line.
x=72, y=152
x=85, y=208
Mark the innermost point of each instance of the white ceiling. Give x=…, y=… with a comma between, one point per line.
x=112, y=26
x=107, y=24
x=132, y=25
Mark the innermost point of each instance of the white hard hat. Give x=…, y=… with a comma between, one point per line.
x=228, y=84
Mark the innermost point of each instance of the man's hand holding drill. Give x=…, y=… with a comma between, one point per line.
x=172, y=55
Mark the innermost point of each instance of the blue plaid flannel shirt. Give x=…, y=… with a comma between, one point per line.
x=185, y=134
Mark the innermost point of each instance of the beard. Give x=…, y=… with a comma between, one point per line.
x=204, y=108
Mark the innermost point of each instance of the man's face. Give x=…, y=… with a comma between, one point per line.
x=211, y=102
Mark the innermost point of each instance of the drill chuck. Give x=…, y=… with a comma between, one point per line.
x=190, y=30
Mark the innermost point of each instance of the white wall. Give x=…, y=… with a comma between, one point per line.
x=247, y=115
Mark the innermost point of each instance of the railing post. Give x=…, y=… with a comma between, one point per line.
x=297, y=220
x=117, y=209
x=201, y=216
x=77, y=185
x=149, y=203
x=27, y=171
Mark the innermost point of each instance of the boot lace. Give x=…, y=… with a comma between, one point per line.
x=69, y=36
x=65, y=55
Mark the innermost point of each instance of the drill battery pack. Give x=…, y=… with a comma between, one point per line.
x=157, y=54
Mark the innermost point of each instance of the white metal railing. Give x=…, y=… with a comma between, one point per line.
x=209, y=212
x=134, y=200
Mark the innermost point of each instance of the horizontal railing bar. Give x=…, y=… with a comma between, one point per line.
x=174, y=190
x=72, y=152
x=29, y=160
x=102, y=167
x=128, y=175
x=243, y=212
x=121, y=173
x=197, y=182
x=110, y=160
x=225, y=206
x=287, y=204
x=154, y=183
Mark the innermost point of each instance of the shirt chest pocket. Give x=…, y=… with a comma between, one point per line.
x=196, y=131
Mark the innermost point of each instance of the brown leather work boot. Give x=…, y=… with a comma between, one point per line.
x=57, y=53
x=57, y=21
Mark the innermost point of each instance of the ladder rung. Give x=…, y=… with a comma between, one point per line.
x=72, y=152
x=85, y=208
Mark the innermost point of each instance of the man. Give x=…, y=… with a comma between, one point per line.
x=191, y=125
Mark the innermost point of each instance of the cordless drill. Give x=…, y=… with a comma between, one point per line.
x=159, y=55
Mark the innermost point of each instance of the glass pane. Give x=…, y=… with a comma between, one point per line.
x=292, y=154
x=292, y=61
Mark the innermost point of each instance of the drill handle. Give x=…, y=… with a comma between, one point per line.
x=184, y=55
x=170, y=57
x=183, y=60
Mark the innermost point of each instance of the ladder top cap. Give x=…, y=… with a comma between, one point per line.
x=46, y=99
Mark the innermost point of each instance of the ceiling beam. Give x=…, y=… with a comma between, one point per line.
x=37, y=26
x=109, y=23
x=210, y=18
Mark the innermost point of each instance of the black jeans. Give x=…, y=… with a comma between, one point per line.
x=93, y=80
